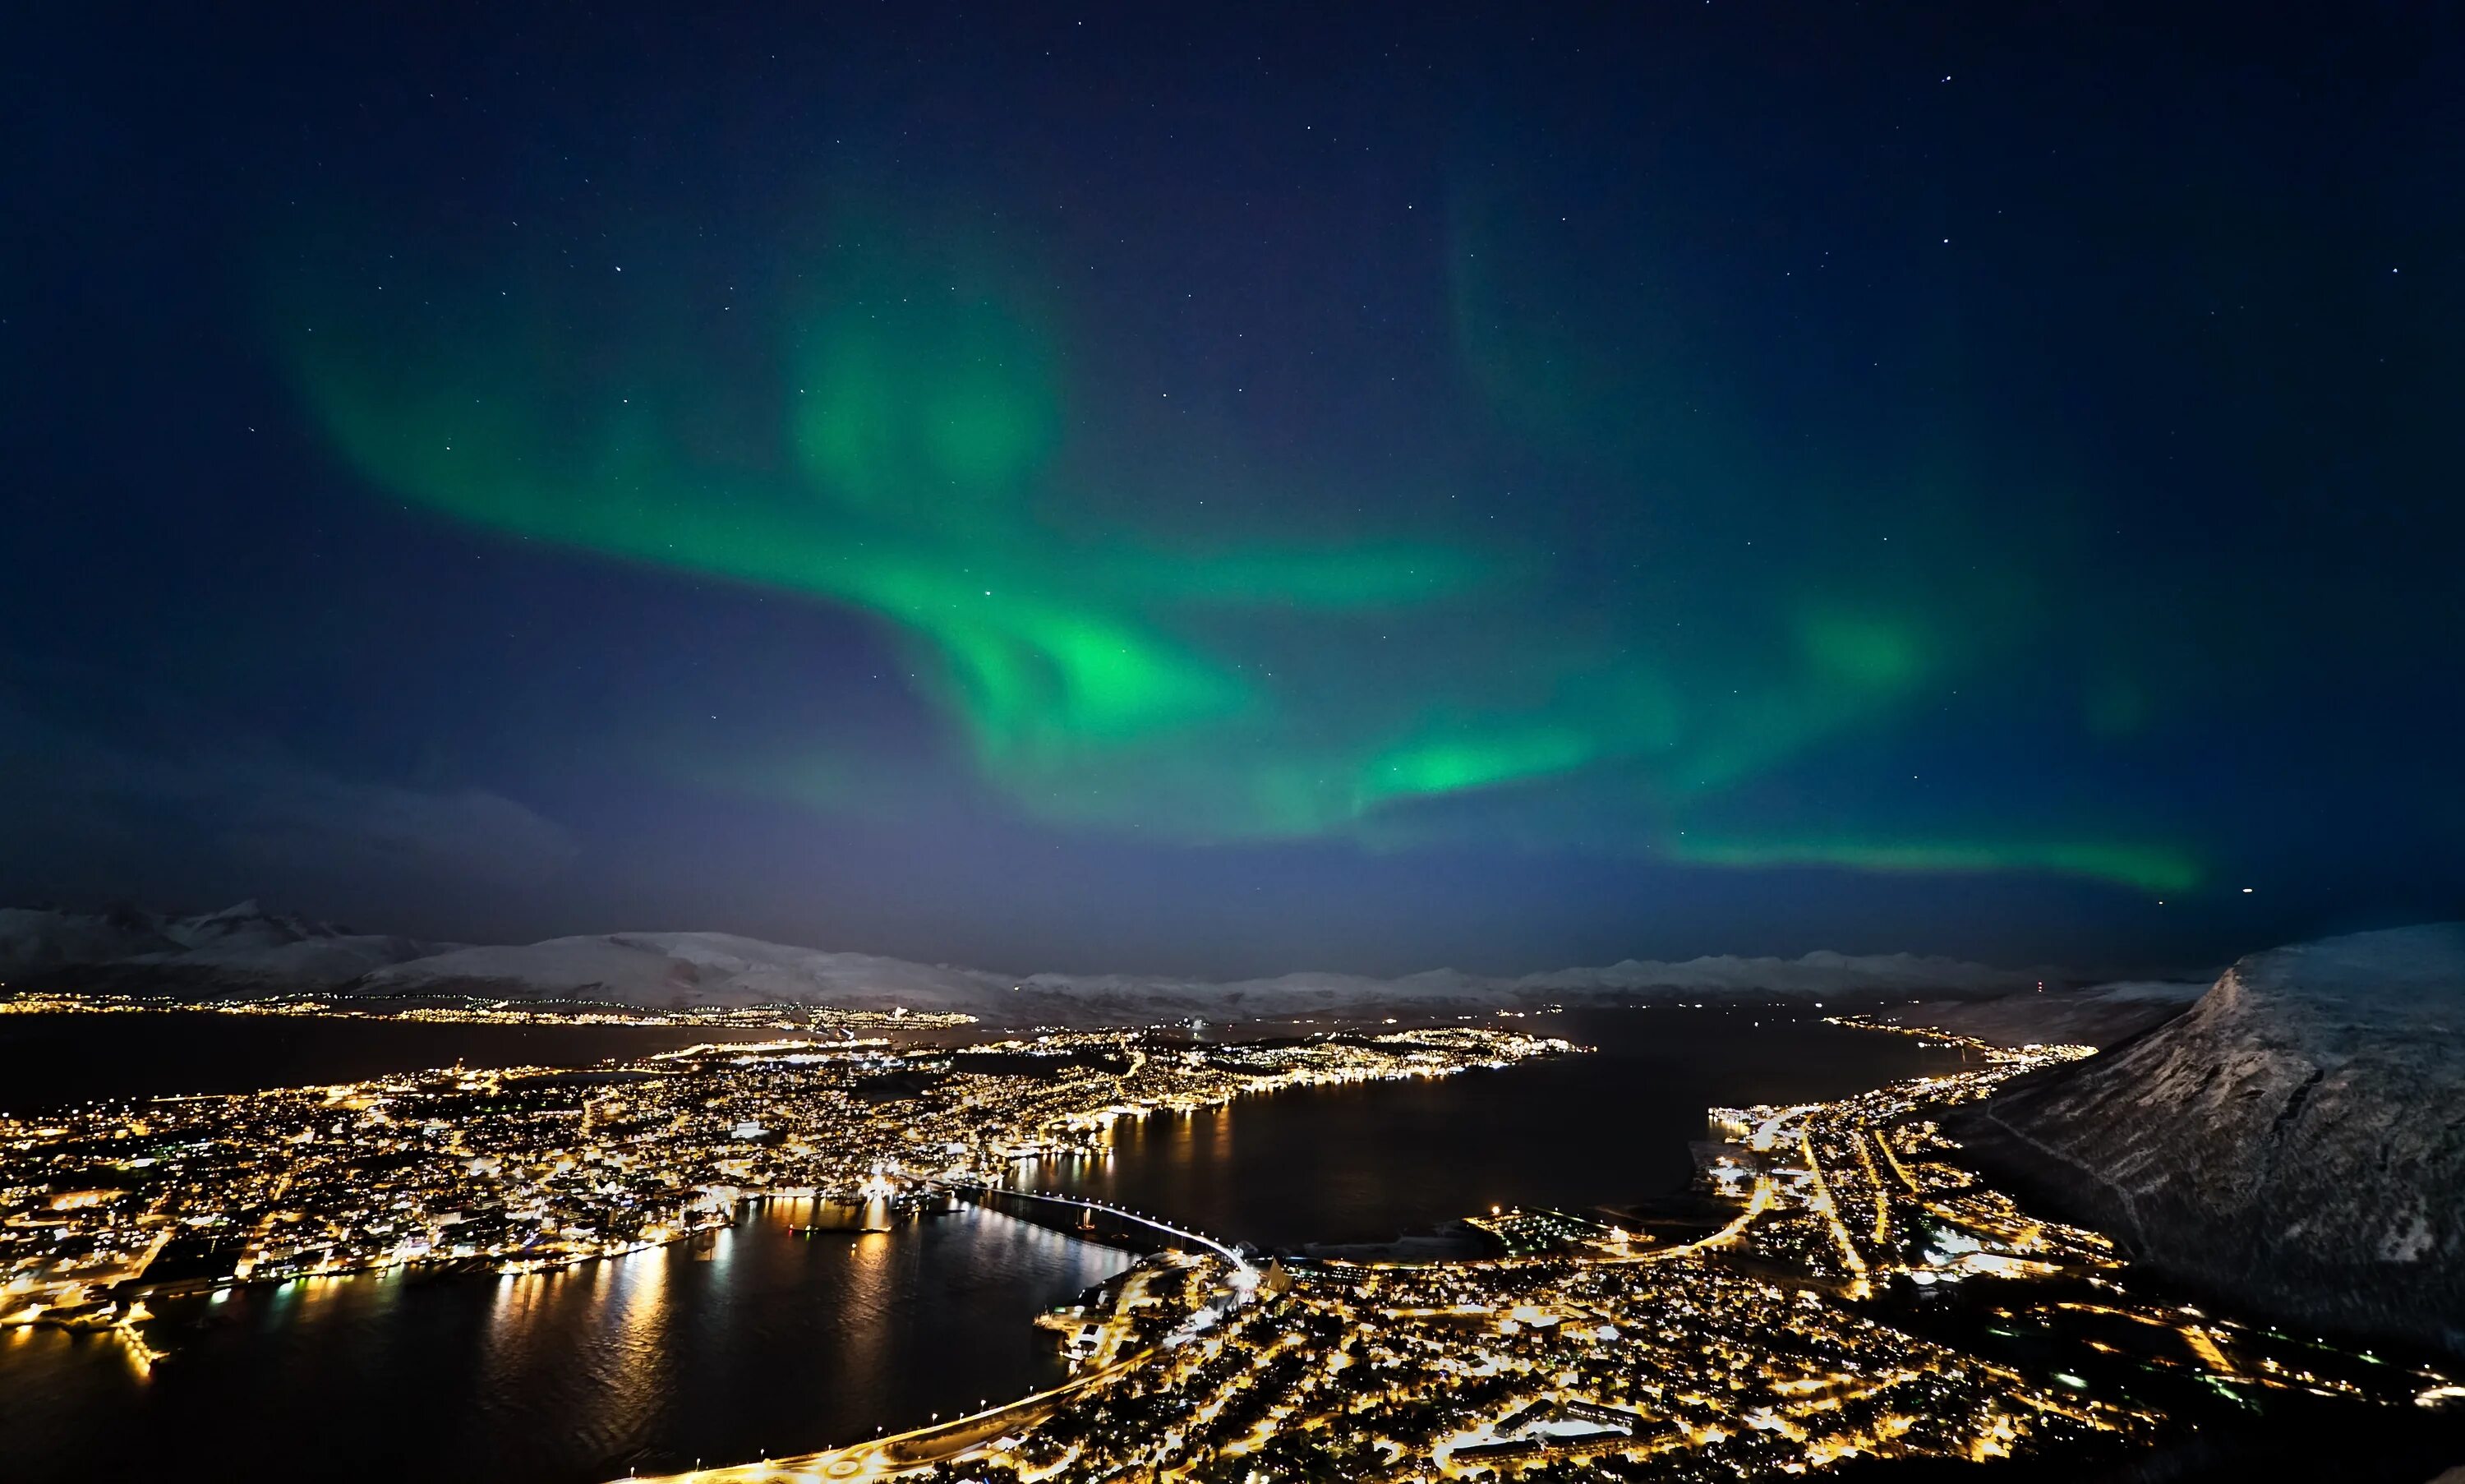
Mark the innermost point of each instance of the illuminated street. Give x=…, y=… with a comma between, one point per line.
x=524, y=1169
x=1762, y=1347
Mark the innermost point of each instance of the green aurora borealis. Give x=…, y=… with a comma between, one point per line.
x=1224, y=491
x=1137, y=621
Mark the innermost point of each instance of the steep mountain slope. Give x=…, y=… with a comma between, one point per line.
x=2295, y=1141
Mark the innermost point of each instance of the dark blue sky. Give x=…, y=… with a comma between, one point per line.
x=1242, y=490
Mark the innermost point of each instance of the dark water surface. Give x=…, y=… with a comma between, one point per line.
x=749, y=1341
x=758, y=1341
x=1365, y=1162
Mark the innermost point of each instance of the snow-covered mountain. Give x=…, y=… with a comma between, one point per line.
x=247, y=949
x=2091, y=1015
x=34, y=939
x=1821, y=972
x=2295, y=1141
x=241, y=944
x=660, y=970
x=716, y=969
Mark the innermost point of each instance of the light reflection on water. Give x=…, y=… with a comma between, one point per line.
x=1362, y=1162
x=757, y=1340
x=751, y=1341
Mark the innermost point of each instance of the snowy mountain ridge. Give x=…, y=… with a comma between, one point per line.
x=239, y=943
x=2296, y=1139
x=248, y=949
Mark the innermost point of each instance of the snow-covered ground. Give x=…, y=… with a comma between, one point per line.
x=2296, y=1139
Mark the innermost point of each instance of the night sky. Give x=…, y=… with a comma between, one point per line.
x=1344, y=487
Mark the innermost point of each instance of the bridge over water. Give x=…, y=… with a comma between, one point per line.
x=1055, y=1203
x=921, y=1446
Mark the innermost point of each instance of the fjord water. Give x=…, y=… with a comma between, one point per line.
x=758, y=1341
x=1363, y=1162
x=748, y=1342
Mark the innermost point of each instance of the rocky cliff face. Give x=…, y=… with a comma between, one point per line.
x=2295, y=1141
